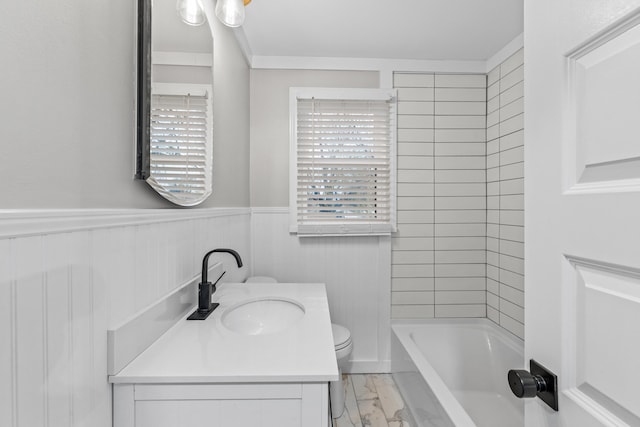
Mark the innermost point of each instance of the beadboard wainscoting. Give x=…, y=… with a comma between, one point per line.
x=356, y=271
x=66, y=277
x=505, y=194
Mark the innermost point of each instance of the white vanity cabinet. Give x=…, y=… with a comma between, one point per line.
x=203, y=373
x=221, y=405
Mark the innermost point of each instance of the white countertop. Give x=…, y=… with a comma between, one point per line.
x=205, y=351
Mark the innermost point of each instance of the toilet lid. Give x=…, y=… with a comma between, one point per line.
x=341, y=336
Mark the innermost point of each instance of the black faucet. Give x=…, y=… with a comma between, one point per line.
x=206, y=288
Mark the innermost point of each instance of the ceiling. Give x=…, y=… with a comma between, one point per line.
x=389, y=29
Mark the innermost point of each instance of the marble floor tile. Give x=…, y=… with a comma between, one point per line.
x=390, y=398
x=351, y=416
x=364, y=387
x=372, y=414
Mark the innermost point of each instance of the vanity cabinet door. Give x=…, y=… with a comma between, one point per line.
x=218, y=413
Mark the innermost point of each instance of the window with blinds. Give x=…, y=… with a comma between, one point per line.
x=180, y=146
x=344, y=154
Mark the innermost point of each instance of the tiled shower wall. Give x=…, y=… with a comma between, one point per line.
x=505, y=194
x=459, y=249
x=439, y=257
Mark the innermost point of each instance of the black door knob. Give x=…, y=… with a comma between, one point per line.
x=524, y=384
x=540, y=382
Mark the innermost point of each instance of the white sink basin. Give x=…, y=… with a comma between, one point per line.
x=262, y=316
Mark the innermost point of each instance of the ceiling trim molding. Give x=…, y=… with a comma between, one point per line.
x=364, y=64
x=512, y=47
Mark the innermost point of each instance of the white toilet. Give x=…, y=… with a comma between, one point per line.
x=343, y=347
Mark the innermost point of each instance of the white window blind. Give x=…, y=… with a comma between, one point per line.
x=345, y=168
x=180, y=135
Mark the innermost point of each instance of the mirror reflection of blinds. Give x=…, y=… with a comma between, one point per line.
x=343, y=161
x=178, y=142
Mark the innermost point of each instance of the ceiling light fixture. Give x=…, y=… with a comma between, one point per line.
x=191, y=12
x=231, y=12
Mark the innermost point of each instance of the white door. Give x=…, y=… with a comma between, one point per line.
x=582, y=204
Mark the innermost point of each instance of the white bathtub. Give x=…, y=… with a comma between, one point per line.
x=453, y=372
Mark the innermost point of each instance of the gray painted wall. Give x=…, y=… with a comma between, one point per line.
x=67, y=134
x=270, y=125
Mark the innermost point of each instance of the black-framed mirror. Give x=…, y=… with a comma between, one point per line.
x=174, y=141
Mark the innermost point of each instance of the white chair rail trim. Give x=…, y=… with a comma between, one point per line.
x=31, y=222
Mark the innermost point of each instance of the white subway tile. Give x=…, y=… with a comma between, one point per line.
x=493, y=273
x=415, y=203
x=457, y=216
x=459, y=243
x=461, y=108
x=415, y=190
x=415, y=148
x=463, y=94
x=493, y=188
x=460, y=122
x=493, y=104
x=415, y=175
x=493, y=160
x=412, y=284
x=415, y=122
x=460, y=270
x=512, y=202
x=460, y=148
x=460, y=135
x=460, y=283
x=493, y=300
x=412, y=257
x=412, y=243
x=493, y=244
x=511, y=125
x=413, y=80
x=512, y=171
x=511, y=94
x=460, y=297
x=463, y=310
x=513, y=155
x=412, y=270
x=460, y=162
x=415, y=162
x=512, y=186
x=512, y=325
x=493, y=202
x=493, y=146
x=511, y=63
x=493, y=216
x=460, y=230
x=416, y=217
x=512, y=295
x=493, y=230
x=493, y=76
x=511, y=263
x=493, y=258
x=412, y=297
x=415, y=135
x=461, y=80
x=512, y=140
x=455, y=203
x=512, y=217
x=512, y=232
x=460, y=175
x=415, y=94
x=493, y=132
x=493, y=91
x=493, y=314
x=512, y=78
x=415, y=230
x=493, y=287
x=512, y=310
x=457, y=189
x=493, y=118
x=416, y=107
x=512, y=109
x=412, y=311
x=514, y=280
x=509, y=247
x=460, y=257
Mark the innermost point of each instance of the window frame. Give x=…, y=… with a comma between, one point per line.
x=347, y=228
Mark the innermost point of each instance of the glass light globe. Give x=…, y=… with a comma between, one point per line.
x=191, y=12
x=230, y=12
